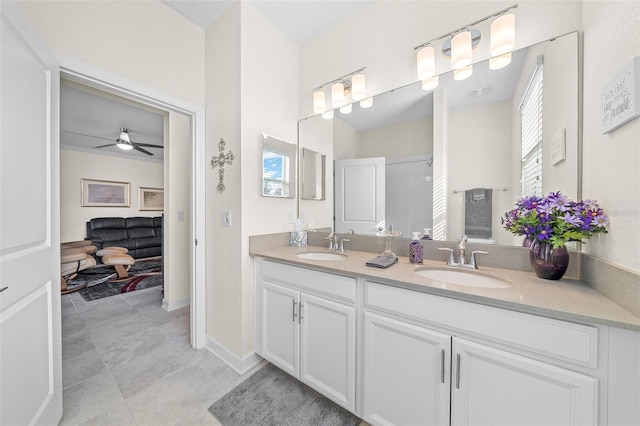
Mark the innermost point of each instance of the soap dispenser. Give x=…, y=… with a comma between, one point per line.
x=427, y=234
x=415, y=249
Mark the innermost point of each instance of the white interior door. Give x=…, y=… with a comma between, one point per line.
x=30, y=336
x=359, y=195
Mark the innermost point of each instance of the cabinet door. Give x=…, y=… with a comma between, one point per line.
x=495, y=387
x=328, y=348
x=406, y=373
x=280, y=328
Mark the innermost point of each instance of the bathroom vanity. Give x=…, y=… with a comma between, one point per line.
x=396, y=347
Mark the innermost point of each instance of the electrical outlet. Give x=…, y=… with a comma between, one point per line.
x=225, y=218
x=291, y=217
x=303, y=215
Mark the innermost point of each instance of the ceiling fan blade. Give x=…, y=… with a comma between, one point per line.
x=148, y=145
x=137, y=148
x=104, y=146
x=90, y=136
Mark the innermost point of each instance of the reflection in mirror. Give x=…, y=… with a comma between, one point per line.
x=472, y=132
x=312, y=175
x=278, y=168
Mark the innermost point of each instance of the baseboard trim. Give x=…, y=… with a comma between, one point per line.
x=240, y=365
x=176, y=304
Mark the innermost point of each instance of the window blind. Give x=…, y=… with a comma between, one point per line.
x=531, y=115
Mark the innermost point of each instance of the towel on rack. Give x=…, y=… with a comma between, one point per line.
x=477, y=212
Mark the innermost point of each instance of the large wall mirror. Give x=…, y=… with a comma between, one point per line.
x=451, y=159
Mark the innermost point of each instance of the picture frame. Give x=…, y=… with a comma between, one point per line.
x=151, y=199
x=104, y=193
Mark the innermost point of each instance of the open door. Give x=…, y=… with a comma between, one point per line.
x=359, y=195
x=30, y=336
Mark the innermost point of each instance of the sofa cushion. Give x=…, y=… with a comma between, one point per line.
x=139, y=222
x=136, y=233
x=107, y=223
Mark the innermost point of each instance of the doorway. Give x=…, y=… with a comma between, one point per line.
x=93, y=77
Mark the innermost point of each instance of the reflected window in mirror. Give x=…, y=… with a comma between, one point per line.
x=531, y=134
x=312, y=175
x=278, y=168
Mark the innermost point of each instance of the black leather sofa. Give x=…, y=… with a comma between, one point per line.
x=142, y=236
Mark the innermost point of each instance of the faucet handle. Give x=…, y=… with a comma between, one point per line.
x=341, y=249
x=451, y=261
x=472, y=261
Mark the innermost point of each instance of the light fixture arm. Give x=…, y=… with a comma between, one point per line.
x=342, y=79
x=465, y=27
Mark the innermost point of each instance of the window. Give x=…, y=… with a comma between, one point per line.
x=531, y=134
x=275, y=172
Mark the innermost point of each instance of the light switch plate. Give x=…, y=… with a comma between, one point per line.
x=225, y=218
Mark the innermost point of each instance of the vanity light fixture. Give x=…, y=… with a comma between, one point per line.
x=430, y=83
x=462, y=41
x=352, y=84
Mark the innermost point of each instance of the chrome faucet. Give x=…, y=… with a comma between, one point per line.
x=333, y=241
x=461, y=263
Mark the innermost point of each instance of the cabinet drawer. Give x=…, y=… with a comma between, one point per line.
x=338, y=286
x=562, y=340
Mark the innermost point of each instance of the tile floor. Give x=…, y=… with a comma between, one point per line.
x=127, y=361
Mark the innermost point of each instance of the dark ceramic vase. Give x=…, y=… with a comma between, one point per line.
x=548, y=262
x=526, y=242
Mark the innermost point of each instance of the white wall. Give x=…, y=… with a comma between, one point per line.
x=248, y=94
x=401, y=140
x=76, y=165
x=165, y=52
x=611, y=173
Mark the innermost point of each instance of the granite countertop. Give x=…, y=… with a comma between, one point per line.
x=565, y=299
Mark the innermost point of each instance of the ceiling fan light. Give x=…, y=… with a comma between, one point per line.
x=124, y=144
x=124, y=136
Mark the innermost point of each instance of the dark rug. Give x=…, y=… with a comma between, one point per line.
x=148, y=273
x=272, y=397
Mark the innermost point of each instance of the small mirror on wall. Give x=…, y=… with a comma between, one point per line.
x=278, y=168
x=312, y=175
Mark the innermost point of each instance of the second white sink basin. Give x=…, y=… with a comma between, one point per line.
x=463, y=278
x=322, y=255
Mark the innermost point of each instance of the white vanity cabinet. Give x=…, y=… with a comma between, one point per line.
x=411, y=369
x=308, y=328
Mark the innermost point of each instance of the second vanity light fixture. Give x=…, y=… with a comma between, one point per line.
x=352, y=84
x=460, y=45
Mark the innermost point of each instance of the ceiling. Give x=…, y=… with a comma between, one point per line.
x=301, y=20
x=100, y=116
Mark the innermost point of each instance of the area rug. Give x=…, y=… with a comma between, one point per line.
x=148, y=273
x=272, y=397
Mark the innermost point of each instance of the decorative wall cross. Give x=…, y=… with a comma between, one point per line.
x=220, y=160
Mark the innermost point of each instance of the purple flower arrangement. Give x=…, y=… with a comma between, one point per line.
x=555, y=219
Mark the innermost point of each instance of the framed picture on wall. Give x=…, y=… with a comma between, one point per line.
x=151, y=198
x=104, y=193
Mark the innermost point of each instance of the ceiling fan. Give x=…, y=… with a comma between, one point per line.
x=123, y=142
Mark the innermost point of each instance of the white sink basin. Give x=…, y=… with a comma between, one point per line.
x=463, y=278
x=322, y=255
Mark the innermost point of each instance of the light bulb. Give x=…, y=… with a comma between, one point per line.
x=358, y=88
x=318, y=102
x=426, y=63
x=327, y=115
x=346, y=109
x=461, y=50
x=123, y=145
x=430, y=83
x=463, y=73
x=503, y=34
x=337, y=95
x=366, y=103
x=500, y=61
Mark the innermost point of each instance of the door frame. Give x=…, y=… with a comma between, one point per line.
x=107, y=81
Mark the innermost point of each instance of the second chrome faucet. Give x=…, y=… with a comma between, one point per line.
x=462, y=246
